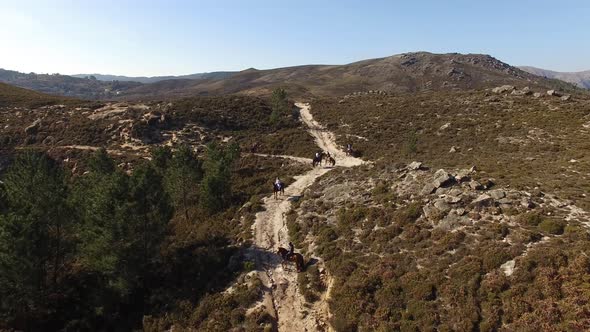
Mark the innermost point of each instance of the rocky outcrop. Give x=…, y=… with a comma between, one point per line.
x=33, y=128
x=503, y=89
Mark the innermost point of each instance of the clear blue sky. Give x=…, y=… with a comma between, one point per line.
x=182, y=37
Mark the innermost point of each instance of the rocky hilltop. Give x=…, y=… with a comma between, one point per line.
x=409, y=72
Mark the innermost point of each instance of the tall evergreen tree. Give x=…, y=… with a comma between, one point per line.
x=34, y=232
x=216, y=185
x=182, y=178
x=151, y=211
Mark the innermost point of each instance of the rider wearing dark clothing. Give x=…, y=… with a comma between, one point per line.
x=291, y=249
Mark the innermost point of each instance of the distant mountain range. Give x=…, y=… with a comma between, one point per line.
x=409, y=72
x=581, y=78
x=153, y=79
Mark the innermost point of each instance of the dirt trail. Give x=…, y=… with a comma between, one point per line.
x=282, y=296
x=297, y=159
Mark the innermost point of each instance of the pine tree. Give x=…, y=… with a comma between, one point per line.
x=34, y=232
x=216, y=185
x=151, y=211
x=182, y=178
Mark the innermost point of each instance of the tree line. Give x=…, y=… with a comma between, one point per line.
x=83, y=252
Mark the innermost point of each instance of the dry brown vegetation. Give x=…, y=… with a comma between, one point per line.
x=518, y=140
x=395, y=268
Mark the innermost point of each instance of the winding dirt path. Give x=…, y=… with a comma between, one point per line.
x=281, y=294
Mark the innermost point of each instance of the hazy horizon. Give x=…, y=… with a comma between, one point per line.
x=157, y=38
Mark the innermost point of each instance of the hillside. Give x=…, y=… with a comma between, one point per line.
x=19, y=97
x=408, y=72
x=63, y=85
x=581, y=79
x=467, y=211
x=153, y=79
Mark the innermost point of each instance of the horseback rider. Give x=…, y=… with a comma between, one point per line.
x=317, y=154
x=291, y=250
x=278, y=183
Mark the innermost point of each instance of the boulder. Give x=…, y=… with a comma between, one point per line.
x=524, y=92
x=453, y=149
x=441, y=178
x=537, y=95
x=553, y=93
x=428, y=189
x=441, y=205
x=566, y=97
x=487, y=184
x=33, y=128
x=483, y=200
x=475, y=185
x=503, y=89
x=463, y=175
x=415, y=165
x=497, y=194
x=453, y=199
x=459, y=211
x=445, y=126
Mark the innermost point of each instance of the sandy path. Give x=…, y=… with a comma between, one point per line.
x=282, y=296
x=326, y=139
x=297, y=159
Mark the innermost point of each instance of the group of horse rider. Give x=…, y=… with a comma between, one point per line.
x=279, y=187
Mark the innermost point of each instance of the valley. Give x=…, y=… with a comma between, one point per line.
x=463, y=206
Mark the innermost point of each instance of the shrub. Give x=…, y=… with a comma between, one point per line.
x=551, y=226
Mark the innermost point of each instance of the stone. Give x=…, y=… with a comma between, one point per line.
x=505, y=201
x=537, y=95
x=428, y=189
x=524, y=92
x=483, y=200
x=415, y=165
x=453, y=149
x=487, y=184
x=463, y=175
x=33, y=128
x=566, y=97
x=475, y=185
x=497, y=194
x=503, y=89
x=453, y=199
x=441, y=191
x=445, y=126
x=441, y=178
x=442, y=205
x=553, y=93
x=460, y=211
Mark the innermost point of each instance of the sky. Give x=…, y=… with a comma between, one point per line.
x=174, y=37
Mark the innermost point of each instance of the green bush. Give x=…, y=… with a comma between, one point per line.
x=551, y=226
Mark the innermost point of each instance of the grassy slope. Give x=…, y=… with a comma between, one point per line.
x=11, y=96
x=521, y=141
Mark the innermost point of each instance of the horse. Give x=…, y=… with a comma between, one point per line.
x=349, y=150
x=278, y=189
x=331, y=161
x=317, y=160
x=297, y=258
